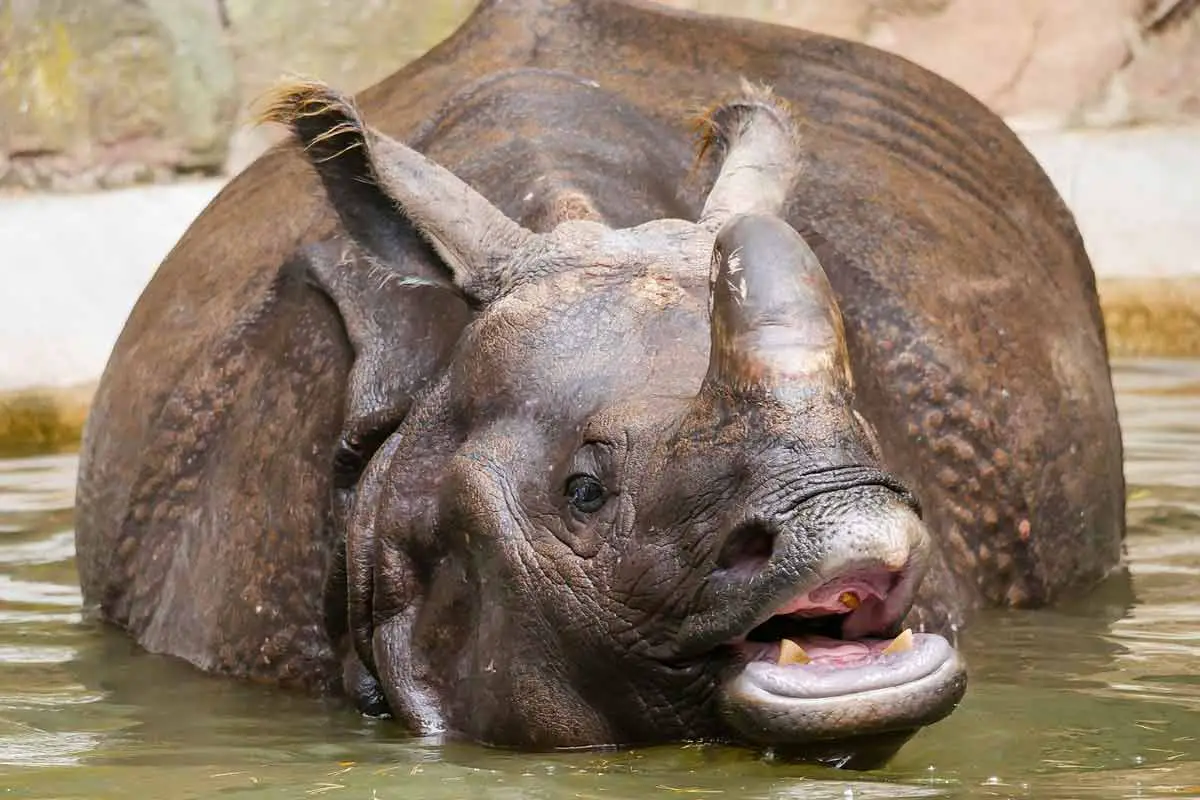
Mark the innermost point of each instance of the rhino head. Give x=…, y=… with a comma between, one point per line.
x=639, y=504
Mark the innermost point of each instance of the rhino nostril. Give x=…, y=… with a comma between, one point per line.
x=747, y=549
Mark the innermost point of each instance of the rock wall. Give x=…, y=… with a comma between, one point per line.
x=109, y=92
x=1040, y=63
x=112, y=92
x=106, y=93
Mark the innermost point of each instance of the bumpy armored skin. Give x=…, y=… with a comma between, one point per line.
x=561, y=436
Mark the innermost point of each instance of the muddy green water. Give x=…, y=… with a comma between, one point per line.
x=1101, y=699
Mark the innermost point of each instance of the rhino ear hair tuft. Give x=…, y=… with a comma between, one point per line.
x=323, y=120
x=719, y=126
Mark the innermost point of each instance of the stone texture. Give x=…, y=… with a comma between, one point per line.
x=1035, y=59
x=358, y=42
x=111, y=91
x=1041, y=63
x=849, y=19
x=73, y=266
x=1161, y=81
x=1135, y=193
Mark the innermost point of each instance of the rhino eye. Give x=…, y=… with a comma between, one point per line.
x=585, y=493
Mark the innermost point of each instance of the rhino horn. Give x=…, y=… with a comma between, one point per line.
x=365, y=172
x=776, y=328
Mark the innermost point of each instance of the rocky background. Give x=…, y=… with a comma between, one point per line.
x=106, y=93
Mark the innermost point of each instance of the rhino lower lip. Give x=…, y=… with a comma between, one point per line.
x=843, y=689
x=844, y=671
x=839, y=667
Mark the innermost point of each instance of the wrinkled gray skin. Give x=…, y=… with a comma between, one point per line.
x=550, y=438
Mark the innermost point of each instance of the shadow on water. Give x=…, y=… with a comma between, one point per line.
x=1097, y=698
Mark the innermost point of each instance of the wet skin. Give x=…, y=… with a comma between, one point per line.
x=560, y=437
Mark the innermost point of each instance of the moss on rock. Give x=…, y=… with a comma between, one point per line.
x=43, y=420
x=1148, y=317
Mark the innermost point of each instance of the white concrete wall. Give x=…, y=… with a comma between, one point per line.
x=73, y=265
x=1135, y=194
x=71, y=268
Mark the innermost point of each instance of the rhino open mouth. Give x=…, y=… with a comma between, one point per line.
x=829, y=666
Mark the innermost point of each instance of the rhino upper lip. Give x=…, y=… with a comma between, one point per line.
x=853, y=606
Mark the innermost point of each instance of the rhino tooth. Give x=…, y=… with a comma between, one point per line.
x=901, y=644
x=792, y=653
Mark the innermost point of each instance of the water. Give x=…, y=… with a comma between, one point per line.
x=1098, y=700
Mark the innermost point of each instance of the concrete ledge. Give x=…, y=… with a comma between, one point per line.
x=43, y=420
x=1152, y=317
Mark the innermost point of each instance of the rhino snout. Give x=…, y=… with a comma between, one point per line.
x=822, y=657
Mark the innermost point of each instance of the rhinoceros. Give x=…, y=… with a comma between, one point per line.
x=612, y=375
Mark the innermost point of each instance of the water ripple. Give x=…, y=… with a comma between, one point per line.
x=38, y=593
x=38, y=748
x=56, y=548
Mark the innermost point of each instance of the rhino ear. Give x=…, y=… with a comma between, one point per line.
x=759, y=141
x=377, y=185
